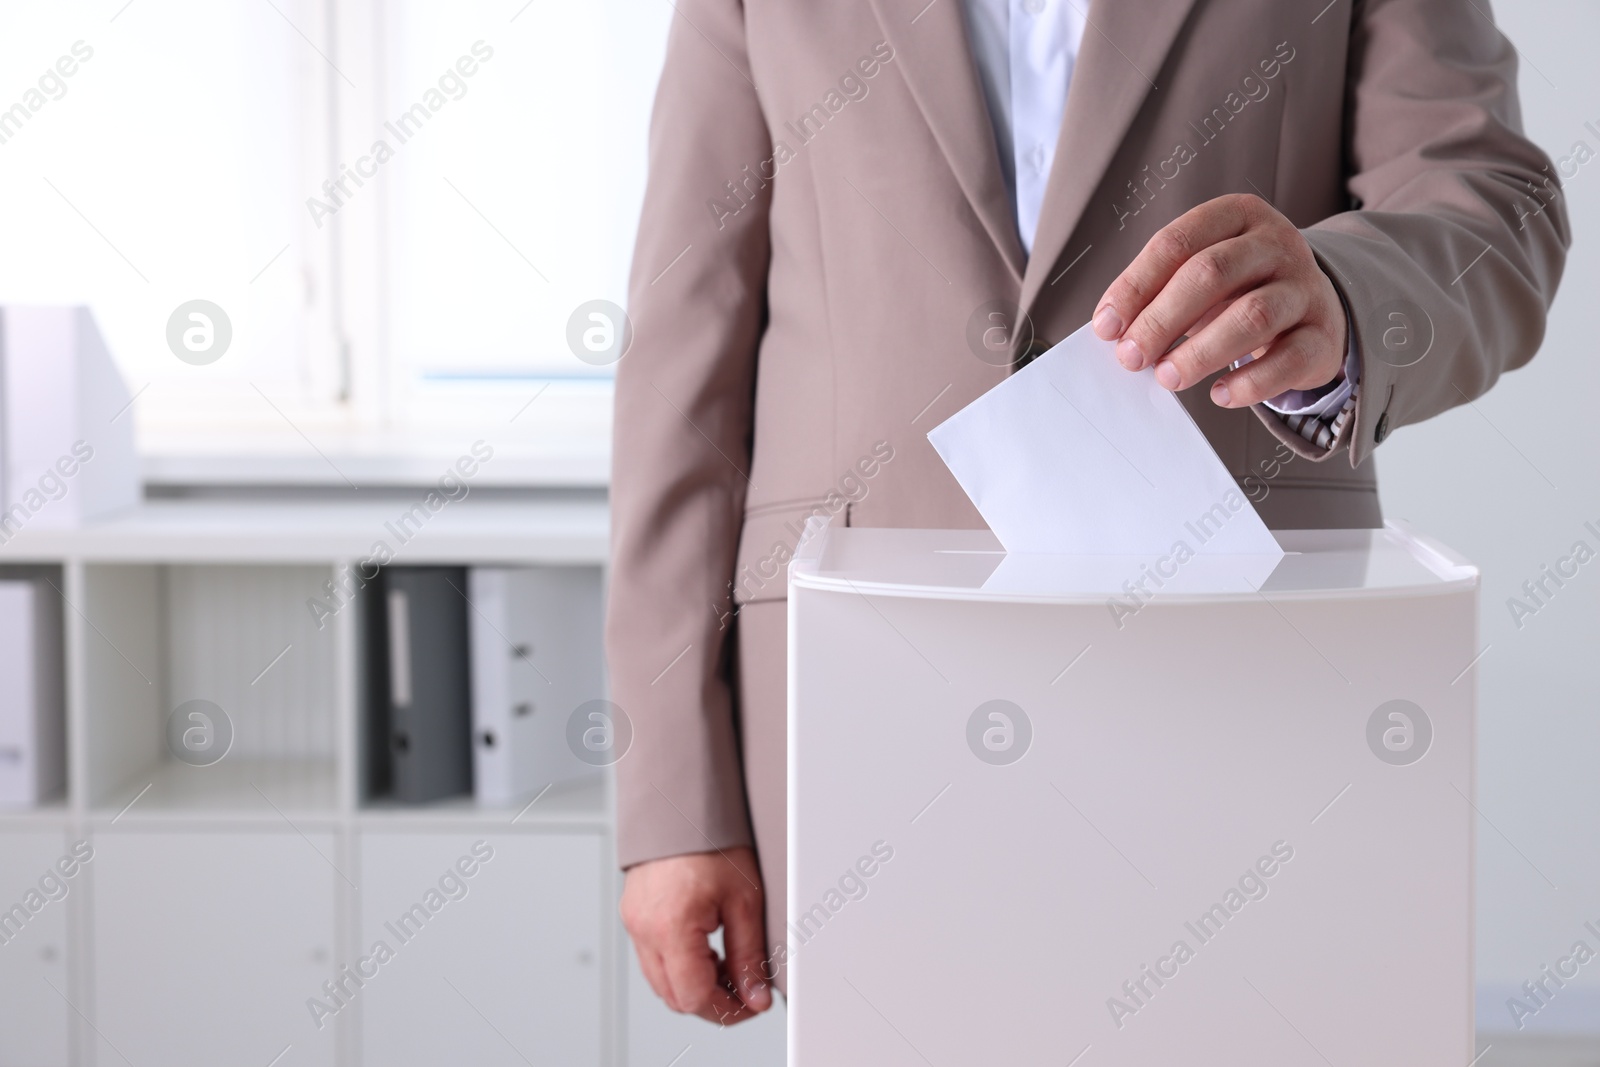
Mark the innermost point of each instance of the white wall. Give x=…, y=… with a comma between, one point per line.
x=1510, y=482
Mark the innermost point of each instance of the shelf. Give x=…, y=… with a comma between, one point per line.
x=51, y=814
x=276, y=790
x=546, y=431
x=581, y=802
x=477, y=529
x=270, y=460
x=273, y=790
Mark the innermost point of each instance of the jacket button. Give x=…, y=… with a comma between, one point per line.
x=1381, y=431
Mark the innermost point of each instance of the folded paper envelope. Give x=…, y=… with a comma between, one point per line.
x=1073, y=454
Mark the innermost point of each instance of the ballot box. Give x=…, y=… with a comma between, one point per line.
x=1116, y=812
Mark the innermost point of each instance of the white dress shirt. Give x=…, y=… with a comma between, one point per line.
x=1025, y=51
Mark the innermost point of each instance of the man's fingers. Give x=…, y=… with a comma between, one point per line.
x=744, y=940
x=671, y=906
x=726, y=1008
x=1288, y=363
x=1210, y=277
x=1251, y=322
x=655, y=973
x=692, y=973
x=1173, y=244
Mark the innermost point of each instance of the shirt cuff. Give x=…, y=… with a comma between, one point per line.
x=1322, y=415
x=1330, y=398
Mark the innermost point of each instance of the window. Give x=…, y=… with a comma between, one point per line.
x=231, y=153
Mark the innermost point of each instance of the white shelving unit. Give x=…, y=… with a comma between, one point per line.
x=219, y=899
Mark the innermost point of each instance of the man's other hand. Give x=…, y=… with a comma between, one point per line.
x=1238, y=279
x=671, y=906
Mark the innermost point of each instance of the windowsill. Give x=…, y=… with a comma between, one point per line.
x=368, y=460
x=562, y=441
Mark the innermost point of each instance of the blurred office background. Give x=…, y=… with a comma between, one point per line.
x=378, y=335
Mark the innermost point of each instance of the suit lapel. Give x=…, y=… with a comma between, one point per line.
x=931, y=50
x=1123, y=48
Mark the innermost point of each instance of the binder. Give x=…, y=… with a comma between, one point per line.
x=428, y=692
x=536, y=655
x=67, y=452
x=32, y=708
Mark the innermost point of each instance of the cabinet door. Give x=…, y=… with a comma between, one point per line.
x=504, y=971
x=33, y=1016
x=208, y=945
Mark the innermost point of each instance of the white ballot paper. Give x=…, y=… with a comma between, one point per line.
x=1075, y=455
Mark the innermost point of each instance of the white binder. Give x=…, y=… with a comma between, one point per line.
x=66, y=435
x=535, y=640
x=32, y=712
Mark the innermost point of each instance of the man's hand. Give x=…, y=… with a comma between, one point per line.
x=1236, y=277
x=670, y=906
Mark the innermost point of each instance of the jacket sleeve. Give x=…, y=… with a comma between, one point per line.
x=1450, y=261
x=681, y=443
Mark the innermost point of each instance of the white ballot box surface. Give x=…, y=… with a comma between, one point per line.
x=1116, y=812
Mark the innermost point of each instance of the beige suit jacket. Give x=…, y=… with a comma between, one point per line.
x=826, y=221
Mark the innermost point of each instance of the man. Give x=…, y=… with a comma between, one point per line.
x=861, y=216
